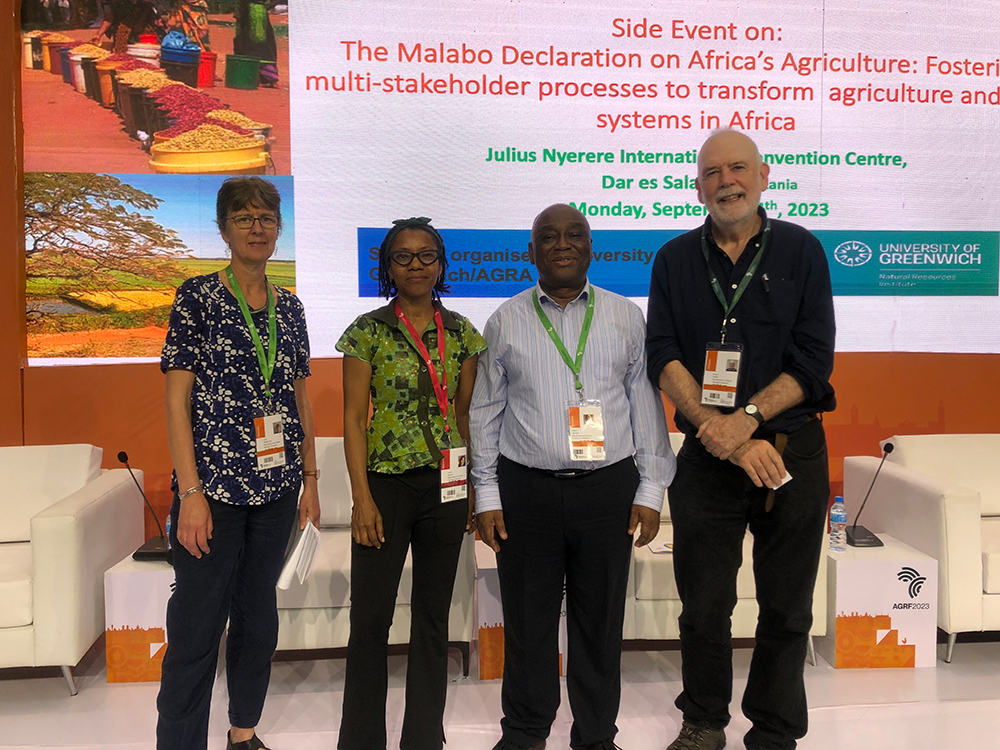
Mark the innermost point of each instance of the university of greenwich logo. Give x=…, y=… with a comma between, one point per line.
x=852, y=253
x=912, y=578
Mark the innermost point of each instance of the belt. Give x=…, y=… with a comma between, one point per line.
x=569, y=473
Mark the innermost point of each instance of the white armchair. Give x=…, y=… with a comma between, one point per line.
x=63, y=523
x=940, y=494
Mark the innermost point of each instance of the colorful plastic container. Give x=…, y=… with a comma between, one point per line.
x=242, y=72
x=185, y=72
x=206, y=69
x=146, y=52
x=36, y=53
x=246, y=160
x=92, y=83
x=106, y=81
x=76, y=60
x=65, y=65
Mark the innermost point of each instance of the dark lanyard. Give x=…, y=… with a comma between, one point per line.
x=266, y=363
x=581, y=344
x=728, y=307
x=440, y=384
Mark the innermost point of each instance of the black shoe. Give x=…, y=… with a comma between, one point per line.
x=253, y=743
x=694, y=737
x=505, y=744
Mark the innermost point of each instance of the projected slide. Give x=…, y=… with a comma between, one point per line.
x=878, y=119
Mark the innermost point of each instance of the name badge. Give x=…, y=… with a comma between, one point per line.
x=586, y=431
x=270, y=441
x=454, y=474
x=722, y=374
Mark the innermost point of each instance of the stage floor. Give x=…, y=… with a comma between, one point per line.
x=953, y=707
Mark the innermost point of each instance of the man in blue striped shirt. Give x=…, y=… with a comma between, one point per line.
x=570, y=458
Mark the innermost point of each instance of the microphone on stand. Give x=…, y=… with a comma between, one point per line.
x=859, y=536
x=157, y=548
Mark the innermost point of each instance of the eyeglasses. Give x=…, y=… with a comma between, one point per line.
x=245, y=222
x=426, y=258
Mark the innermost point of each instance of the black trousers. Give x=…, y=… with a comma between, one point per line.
x=573, y=530
x=413, y=517
x=712, y=503
x=235, y=581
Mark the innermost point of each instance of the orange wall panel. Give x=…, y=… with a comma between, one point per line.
x=121, y=407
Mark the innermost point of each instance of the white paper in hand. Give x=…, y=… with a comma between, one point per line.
x=300, y=557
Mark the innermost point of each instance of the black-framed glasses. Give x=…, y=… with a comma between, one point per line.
x=426, y=258
x=245, y=222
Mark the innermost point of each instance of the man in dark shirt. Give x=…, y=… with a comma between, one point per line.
x=748, y=288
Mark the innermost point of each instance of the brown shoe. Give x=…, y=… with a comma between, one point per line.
x=694, y=737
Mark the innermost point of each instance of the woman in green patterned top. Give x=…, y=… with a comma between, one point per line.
x=415, y=362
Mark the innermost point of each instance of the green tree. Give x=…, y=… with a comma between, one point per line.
x=85, y=231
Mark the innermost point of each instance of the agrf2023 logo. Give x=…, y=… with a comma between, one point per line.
x=914, y=582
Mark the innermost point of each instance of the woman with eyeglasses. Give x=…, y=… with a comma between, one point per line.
x=240, y=431
x=415, y=363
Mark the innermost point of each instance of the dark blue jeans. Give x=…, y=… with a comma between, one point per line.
x=712, y=503
x=235, y=581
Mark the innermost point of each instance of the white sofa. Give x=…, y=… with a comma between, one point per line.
x=316, y=615
x=940, y=494
x=657, y=605
x=63, y=523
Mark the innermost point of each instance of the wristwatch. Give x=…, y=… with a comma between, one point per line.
x=754, y=412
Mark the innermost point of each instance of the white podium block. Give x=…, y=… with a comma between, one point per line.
x=881, y=607
x=135, y=616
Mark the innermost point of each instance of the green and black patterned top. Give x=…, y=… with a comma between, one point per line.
x=407, y=428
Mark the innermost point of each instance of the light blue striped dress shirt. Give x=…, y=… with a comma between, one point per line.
x=523, y=389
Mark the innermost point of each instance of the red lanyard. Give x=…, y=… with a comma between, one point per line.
x=440, y=385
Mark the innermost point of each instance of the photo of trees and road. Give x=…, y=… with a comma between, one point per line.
x=105, y=253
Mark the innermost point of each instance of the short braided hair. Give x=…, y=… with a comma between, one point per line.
x=386, y=287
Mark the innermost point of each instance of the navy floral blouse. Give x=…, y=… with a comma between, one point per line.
x=208, y=336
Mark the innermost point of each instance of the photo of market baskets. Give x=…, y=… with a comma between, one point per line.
x=105, y=253
x=155, y=86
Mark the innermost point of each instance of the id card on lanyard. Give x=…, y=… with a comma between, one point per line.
x=724, y=361
x=454, y=468
x=269, y=434
x=585, y=421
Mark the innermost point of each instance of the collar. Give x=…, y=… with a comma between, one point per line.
x=706, y=229
x=584, y=293
x=387, y=315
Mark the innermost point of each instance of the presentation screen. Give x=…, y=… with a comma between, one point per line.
x=879, y=120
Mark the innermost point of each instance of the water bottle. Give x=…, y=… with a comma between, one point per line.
x=838, y=525
x=168, y=530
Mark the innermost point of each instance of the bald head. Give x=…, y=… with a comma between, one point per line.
x=558, y=212
x=731, y=177
x=730, y=140
x=560, y=249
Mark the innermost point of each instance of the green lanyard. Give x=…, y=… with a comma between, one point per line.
x=728, y=307
x=266, y=364
x=581, y=344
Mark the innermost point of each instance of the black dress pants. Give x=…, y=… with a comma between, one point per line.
x=573, y=531
x=235, y=581
x=712, y=503
x=414, y=518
